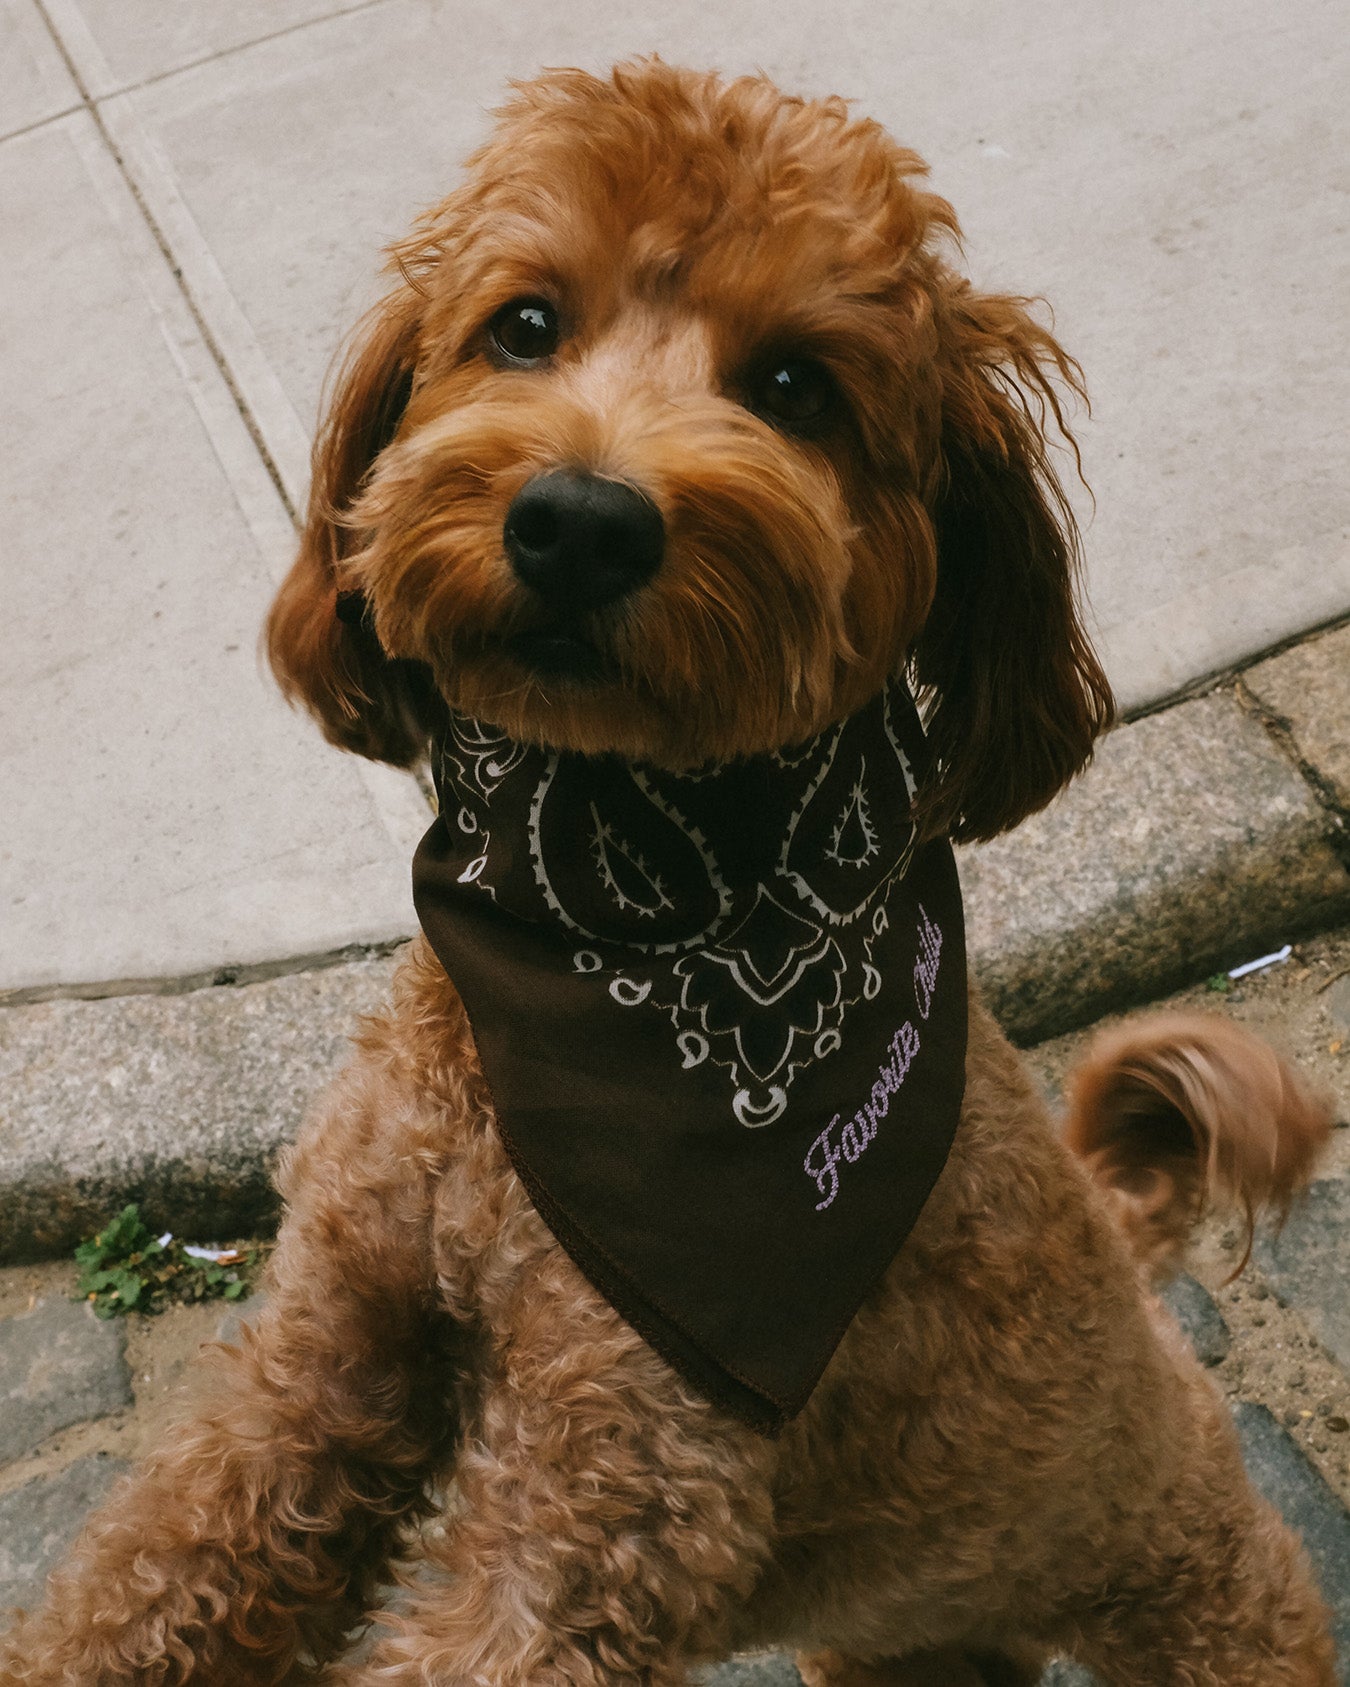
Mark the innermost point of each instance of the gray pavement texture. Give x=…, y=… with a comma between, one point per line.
x=768, y=1670
x=1192, y=1305
x=39, y=1520
x=1338, y=1005
x=1303, y=693
x=1284, y=1477
x=1308, y=1263
x=59, y=1365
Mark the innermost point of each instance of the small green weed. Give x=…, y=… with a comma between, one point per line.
x=1220, y=984
x=124, y=1267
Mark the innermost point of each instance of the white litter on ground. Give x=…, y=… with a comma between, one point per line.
x=1264, y=961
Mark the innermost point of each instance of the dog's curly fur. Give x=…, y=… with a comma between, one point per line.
x=1012, y=1452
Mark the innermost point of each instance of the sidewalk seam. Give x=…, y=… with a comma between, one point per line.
x=42, y=122
x=251, y=389
x=216, y=978
x=1232, y=674
x=238, y=47
x=93, y=106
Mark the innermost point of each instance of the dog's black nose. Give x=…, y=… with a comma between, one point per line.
x=580, y=541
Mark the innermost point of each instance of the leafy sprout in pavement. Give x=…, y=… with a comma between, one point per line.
x=124, y=1268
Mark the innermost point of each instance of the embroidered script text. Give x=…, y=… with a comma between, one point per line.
x=848, y=1142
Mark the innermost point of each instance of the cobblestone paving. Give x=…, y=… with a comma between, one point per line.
x=80, y=1399
x=58, y=1365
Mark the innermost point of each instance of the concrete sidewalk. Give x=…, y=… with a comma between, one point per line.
x=194, y=198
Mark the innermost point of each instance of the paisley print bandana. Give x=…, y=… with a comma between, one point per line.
x=722, y=1016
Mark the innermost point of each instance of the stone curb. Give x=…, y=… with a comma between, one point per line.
x=1195, y=842
x=1200, y=838
x=181, y=1103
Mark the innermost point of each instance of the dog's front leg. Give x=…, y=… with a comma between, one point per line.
x=610, y=1527
x=252, y=1541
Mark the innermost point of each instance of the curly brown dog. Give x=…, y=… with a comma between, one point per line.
x=739, y=307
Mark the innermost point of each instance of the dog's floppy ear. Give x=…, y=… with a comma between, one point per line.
x=1015, y=694
x=319, y=639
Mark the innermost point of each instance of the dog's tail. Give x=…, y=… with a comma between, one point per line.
x=1178, y=1112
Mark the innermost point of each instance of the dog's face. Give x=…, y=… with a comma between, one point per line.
x=676, y=439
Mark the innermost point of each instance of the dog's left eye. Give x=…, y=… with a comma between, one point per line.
x=526, y=330
x=794, y=393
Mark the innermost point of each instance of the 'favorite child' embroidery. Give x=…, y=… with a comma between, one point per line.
x=823, y=1156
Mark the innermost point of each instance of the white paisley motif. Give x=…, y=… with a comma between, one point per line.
x=761, y=996
x=612, y=855
x=604, y=839
x=857, y=817
x=857, y=812
x=754, y=1115
x=693, y=1047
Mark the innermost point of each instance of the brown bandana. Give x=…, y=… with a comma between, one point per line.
x=722, y=1015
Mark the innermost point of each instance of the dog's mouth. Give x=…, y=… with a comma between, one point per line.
x=560, y=653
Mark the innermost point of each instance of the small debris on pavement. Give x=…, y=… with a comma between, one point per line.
x=1261, y=962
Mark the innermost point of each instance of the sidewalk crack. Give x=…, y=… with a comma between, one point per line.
x=229, y=976
x=1280, y=730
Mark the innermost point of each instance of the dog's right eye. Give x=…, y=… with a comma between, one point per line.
x=525, y=331
x=796, y=394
